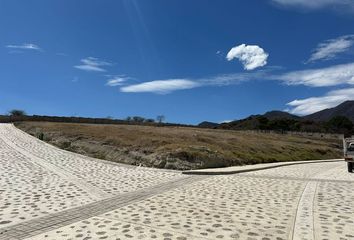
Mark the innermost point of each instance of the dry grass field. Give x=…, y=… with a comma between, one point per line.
x=180, y=147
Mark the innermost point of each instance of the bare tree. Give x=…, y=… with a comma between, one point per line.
x=149, y=120
x=160, y=118
x=138, y=119
x=17, y=113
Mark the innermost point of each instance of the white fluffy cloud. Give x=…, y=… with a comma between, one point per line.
x=314, y=104
x=330, y=76
x=161, y=86
x=251, y=56
x=330, y=48
x=317, y=4
x=92, y=64
x=25, y=46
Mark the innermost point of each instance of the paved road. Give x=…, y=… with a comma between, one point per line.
x=47, y=193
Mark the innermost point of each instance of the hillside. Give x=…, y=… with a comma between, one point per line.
x=345, y=109
x=253, y=121
x=332, y=120
x=207, y=124
x=273, y=115
x=180, y=147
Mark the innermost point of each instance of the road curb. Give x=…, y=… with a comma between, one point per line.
x=255, y=168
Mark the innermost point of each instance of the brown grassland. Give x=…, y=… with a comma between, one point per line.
x=180, y=147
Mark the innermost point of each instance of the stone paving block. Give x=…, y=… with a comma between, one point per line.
x=39, y=180
x=220, y=207
x=139, y=203
x=102, y=228
x=112, y=179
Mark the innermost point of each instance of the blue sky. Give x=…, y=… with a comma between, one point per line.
x=188, y=60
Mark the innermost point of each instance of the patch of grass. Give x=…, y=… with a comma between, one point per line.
x=181, y=147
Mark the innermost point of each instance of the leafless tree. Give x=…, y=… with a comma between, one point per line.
x=160, y=118
x=17, y=113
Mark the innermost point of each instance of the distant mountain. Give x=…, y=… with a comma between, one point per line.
x=206, y=124
x=252, y=122
x=345, y=109
x=275, y=115
x=284, y=121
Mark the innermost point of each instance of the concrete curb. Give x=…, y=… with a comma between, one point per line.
x=251, y=168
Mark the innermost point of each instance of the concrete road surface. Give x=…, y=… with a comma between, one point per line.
x=48, y=193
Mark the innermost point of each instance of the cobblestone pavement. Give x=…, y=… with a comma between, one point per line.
x=46, y=193
x=38, y=179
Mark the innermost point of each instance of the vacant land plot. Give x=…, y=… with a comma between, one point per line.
x=180, y=147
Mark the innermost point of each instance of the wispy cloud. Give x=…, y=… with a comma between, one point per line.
x=117, y=80
x=62, y=54
x=25, y=46
x=346, y=5
x=314, y=104
x=220, y=54
x=322, y=77
x=169, y=85
x=251, y=56
x=332, y=47
x=226, y=121
x=92, y=64
x=233, y=78
x=160, y=86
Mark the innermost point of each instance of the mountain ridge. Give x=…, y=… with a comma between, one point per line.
x=276, y=119
x=345, y=109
